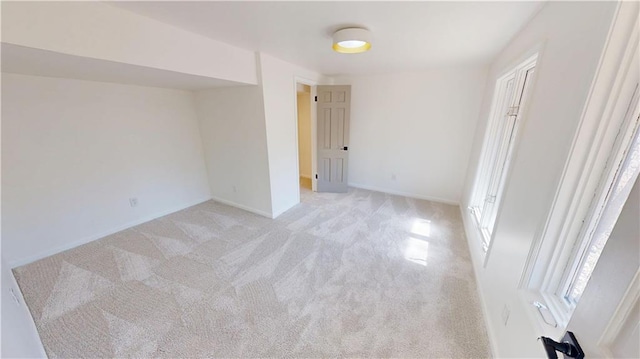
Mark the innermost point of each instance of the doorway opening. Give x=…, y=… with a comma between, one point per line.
x=303, y=96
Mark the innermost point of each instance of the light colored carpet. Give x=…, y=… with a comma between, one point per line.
x=361, y=274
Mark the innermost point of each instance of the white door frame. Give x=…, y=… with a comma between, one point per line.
x=314, y=151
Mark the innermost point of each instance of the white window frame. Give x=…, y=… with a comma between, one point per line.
x=511, y=95
x=607, y=127
x=578, y=233
x=616, y=163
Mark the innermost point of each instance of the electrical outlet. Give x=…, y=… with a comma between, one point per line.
x=133, y=202
x=506, y=311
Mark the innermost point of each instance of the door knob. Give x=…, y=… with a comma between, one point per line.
x=568, y=346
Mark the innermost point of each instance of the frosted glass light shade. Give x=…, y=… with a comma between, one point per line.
x=351, y=40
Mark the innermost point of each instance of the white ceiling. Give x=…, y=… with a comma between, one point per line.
x=407, y=35
x=29, y=61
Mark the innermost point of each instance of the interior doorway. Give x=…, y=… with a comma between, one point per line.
x=305, y=167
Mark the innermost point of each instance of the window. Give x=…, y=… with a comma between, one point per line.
x=616, y=184
x=511, y=93
x=608, y=165
x=585, y=236
x=600, y=170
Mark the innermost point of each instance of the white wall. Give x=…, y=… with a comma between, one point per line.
x=100, y=31
x=19, y=337
x=571, y=36
x=76, y=151
x=304, y=134
x=235, y=144
x=415, y=127
x=278, y=79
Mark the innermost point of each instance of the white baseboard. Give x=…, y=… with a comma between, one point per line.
x=477, y=265
x=404, y=194
x=32, y=336
x=87, y=239
x=243, y=207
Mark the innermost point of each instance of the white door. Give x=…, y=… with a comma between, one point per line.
x=334, y=106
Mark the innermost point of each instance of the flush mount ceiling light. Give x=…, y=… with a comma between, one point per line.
x=351, y=40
